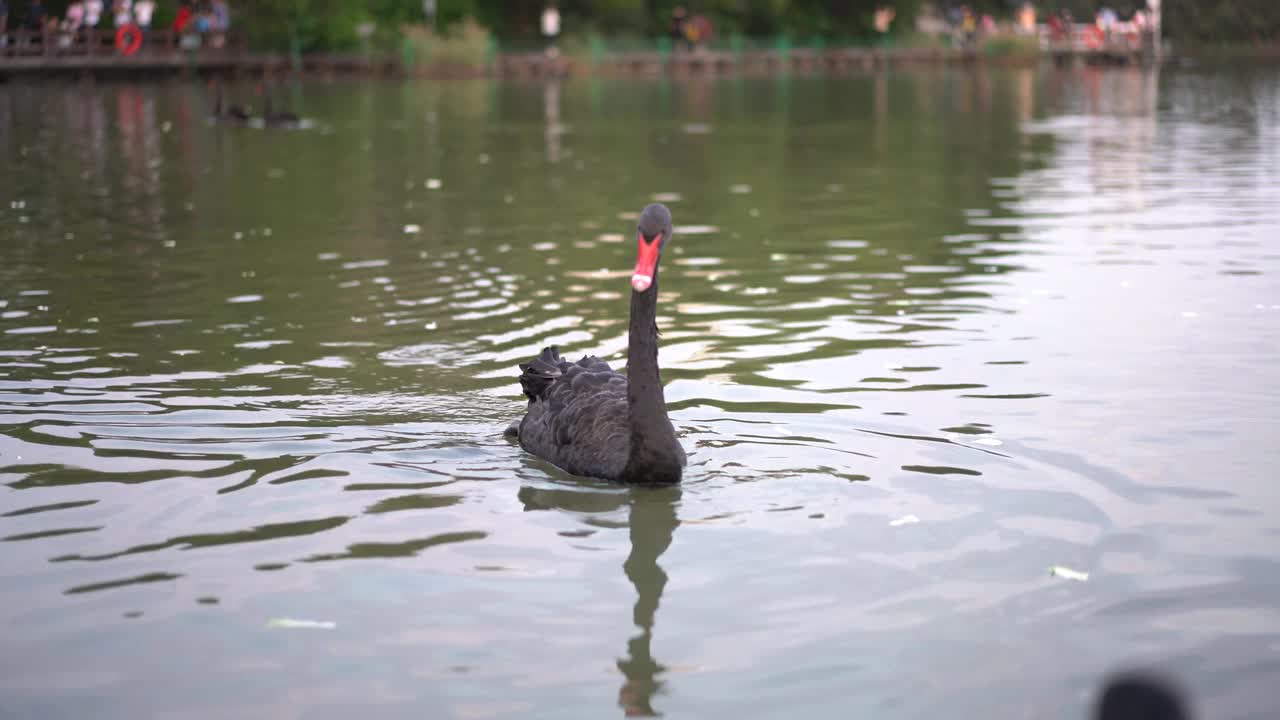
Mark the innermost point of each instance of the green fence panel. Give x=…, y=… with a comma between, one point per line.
x=407, y=52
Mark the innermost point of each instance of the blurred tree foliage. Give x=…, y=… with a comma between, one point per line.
x=799, y=18
x=333, y=24
x=1219, y=22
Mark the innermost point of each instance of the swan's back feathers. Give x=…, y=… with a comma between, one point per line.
x=577, y=415
x=537, y=375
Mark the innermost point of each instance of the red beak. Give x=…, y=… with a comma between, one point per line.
x=646, y=263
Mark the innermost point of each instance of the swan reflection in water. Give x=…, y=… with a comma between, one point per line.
x=652, y=521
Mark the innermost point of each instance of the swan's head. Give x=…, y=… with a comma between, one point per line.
x=653, y=231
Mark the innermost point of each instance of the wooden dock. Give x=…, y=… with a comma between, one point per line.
x=161, y=52
x=796, y=60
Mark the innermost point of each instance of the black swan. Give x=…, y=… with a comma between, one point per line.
x=283, y=118
x=234, y=113
x=1137, y=695
x=589, y=420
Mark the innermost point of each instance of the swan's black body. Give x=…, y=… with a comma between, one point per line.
x=282, y=118
x=233, y=113
x=1141, y=696
x=590, y=420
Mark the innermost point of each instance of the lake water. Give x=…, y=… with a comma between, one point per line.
x=925, y=335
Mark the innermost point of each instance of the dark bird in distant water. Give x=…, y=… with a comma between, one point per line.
x=588, y=419
x=1140, y=696
x=232, y=113
x=279, y=118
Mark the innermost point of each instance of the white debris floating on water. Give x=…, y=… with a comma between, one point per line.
x=696, y=229
x=904, y=520
x=1067, y=573
x=295, y=624
x=433, y=184
x=740, y=189
x=412, y=229
x=666, y=197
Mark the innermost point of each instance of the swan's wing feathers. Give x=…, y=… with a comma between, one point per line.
x=592, y=431
x=595, y=364
x=537, y=375
x=578, y=382
x=580, y=421
x=564, y=427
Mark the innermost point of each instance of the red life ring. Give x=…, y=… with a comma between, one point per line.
x=128, y=39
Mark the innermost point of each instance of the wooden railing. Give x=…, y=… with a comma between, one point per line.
x=102, y=43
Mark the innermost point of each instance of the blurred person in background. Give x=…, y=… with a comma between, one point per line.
x=142, y=12
x=883, y=18
x=676, y=30
x=35, y=16
x=123, y=12
x=1027, y=19
x=1105, y=19
x=74, y=18
x=220, y=15
x=219, y=22
x=968, y=26
x=67, y=28
x=92, y=14
x=551, y=27
x=183, y=17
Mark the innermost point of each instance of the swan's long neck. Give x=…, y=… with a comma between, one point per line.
x=651, y=458
x=644, y=399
